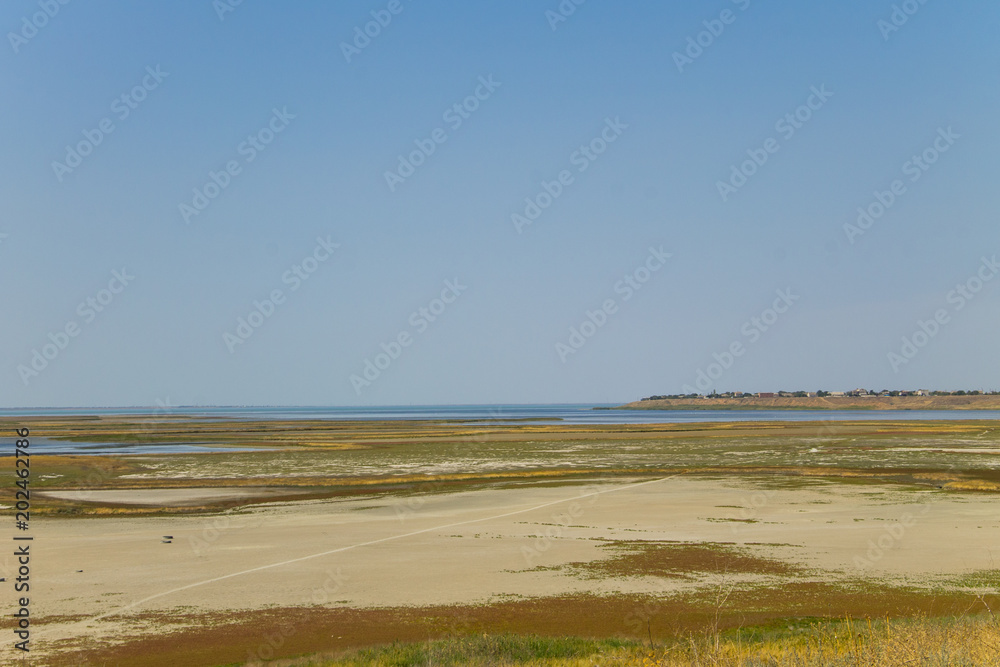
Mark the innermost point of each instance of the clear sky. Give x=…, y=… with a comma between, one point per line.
x=688, y=162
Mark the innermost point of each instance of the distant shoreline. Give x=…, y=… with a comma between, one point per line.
x=901, y=403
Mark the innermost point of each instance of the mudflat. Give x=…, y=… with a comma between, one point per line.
x=422, y=530
x=163, y=497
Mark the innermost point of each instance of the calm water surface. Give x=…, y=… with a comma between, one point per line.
x=562, y=413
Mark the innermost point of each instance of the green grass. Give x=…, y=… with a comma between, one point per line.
x=477, y=650
x=930, y=642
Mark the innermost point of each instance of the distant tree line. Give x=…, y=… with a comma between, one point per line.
x=821, y=394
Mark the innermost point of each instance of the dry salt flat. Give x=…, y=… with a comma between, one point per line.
x=478, y=546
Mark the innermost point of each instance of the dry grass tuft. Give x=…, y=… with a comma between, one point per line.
x=928, y=642
x=850, y=643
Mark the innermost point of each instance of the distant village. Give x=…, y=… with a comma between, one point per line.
x=858, y=393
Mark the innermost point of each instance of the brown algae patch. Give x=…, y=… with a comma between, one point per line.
x=679, y=560
x=233, y=637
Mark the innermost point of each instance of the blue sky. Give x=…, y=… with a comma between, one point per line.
x=201, y=84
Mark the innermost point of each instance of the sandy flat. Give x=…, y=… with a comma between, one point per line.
x=164, y=497
x=475, y=546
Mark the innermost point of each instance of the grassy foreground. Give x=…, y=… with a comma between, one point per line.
x=929, y=642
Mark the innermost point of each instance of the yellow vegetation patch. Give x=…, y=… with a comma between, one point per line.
x=972, y=485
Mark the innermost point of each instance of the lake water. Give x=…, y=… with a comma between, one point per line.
x=42, y=446
x=563, y=413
